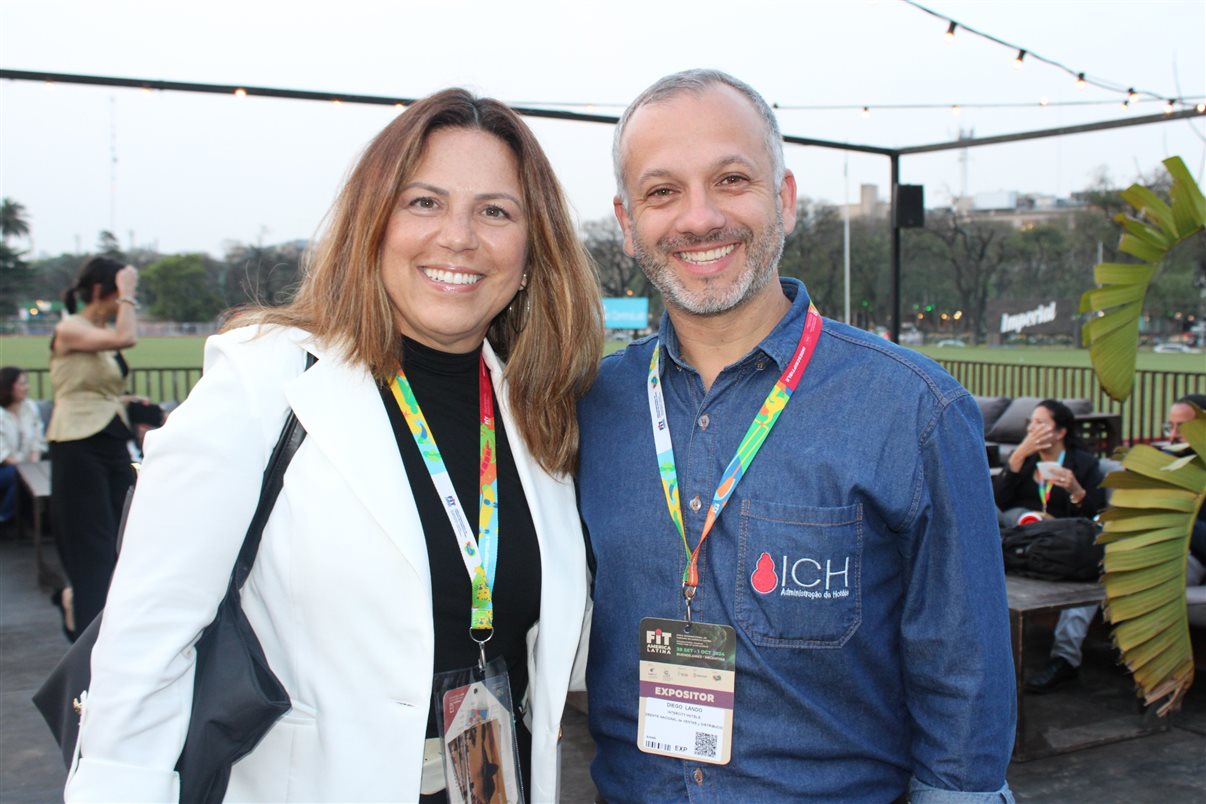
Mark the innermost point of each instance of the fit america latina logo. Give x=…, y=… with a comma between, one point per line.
x=802, y=577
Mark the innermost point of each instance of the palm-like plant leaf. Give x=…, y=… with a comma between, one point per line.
x=1146, y=537
x=1158, y=496
x=1114, y=308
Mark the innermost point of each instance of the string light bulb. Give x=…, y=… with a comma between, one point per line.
x=1131, y=95
x=866, y=112
x=949, y=36
x=1201, y=107
x=955, y=110
x=1080, y=81
x=1169, y=106
x=1017, y=62
x=1043, y=101
x=240, y=93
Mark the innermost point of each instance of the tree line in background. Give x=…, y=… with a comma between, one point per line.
x=950, y=268
x=173, y=287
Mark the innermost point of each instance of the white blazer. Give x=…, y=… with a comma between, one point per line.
x=340, y=594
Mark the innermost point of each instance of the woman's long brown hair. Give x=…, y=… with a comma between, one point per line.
x=550, y=335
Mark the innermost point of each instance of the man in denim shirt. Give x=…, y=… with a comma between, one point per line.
x=856, y=566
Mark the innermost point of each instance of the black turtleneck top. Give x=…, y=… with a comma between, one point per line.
x=446, y=387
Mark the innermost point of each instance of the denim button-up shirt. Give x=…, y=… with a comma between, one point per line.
x=879, y=659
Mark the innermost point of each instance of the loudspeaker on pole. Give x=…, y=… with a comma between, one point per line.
x=910, y=206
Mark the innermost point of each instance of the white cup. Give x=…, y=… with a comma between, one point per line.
x=1047, y=469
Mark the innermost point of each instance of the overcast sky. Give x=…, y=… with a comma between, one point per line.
x=194, y=171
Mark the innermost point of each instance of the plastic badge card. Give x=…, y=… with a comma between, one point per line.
x=688, y=672
x=480, y=753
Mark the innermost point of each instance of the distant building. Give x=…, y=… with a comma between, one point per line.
x=1020, y=210
x=869, y=205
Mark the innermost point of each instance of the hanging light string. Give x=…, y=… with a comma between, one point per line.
x=1082, y=79
x=871, y=107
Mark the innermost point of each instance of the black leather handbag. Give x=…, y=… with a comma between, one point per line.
x=236, y=696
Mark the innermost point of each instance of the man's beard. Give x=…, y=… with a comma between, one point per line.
x=762, y=253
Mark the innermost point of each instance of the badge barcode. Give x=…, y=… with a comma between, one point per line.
x=656, y=746
x=705, y=744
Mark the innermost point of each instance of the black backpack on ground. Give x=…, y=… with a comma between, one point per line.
x=1053, y=550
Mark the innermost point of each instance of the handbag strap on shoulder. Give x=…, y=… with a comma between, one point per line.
x=292, y=435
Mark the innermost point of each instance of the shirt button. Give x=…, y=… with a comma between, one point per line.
x=695, y=503
x=697, y=775
x=761, y=364
x=703, y=422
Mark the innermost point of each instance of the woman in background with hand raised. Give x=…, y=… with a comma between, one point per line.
x=90, y=470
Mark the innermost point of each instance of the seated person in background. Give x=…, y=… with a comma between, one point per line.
x=1073, y=624
x=1071, y=489
x=21, y=435
x=1182, y=411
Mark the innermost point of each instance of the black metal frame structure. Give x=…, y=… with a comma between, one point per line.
x=893, y=154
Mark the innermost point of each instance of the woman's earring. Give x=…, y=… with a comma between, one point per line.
x=523, y=281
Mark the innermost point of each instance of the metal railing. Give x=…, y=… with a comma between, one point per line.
x=157, y=384
x=1143, y=415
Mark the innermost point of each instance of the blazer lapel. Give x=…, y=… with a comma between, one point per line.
x=341, y=409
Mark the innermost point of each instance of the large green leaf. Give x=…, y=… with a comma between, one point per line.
x=1144, y=653
x=1131, y=606
x=1156, y=238
x=1114, y=308
x=1122, y=273
x=1157, y=496
x=1120, y=584
x=1146, y=538
x=1155, y=464
x=1138, y=247
x=1194, y=431
x=1117, y=520
x=1189, y=206
x=1113, y=355
x=1125, y=317
x=1150, y=205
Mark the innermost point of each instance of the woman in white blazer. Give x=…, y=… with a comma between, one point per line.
x=449, y=270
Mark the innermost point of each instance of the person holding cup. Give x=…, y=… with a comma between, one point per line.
x=1050, y=475
x=1050, y=472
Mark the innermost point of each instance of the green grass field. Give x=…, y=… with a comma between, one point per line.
x=185, y=352
x=33, y=352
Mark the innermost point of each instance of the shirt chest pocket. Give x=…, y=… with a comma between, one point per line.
x=799, y=574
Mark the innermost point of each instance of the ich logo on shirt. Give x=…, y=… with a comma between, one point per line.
x=802, y=577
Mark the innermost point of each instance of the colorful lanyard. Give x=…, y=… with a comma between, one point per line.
x=1045, y=487
x=758, y=430
x=479, y=552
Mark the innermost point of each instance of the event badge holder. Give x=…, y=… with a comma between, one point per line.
x=688, y=669
x=475, y=715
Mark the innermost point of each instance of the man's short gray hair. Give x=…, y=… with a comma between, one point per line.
x=697, y=81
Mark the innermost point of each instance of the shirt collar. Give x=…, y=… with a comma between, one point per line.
x=780, y=345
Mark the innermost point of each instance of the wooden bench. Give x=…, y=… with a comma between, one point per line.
x=35, y=478
x=1029, y=597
